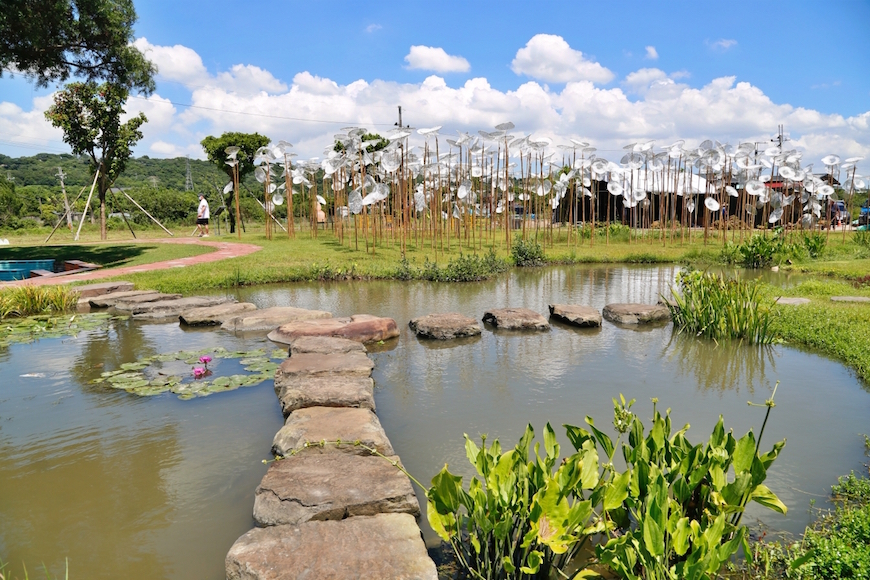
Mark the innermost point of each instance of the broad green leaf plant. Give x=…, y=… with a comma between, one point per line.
x=673, y=512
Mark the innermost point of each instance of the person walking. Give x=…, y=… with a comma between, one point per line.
x=202, y=215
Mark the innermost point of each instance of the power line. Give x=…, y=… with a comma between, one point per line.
x=261, y=114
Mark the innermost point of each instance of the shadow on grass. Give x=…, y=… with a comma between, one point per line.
x=106, y=256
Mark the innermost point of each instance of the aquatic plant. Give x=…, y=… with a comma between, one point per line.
x=28, y=329
x=30, y=300
x=527, y=252
x=714, y=307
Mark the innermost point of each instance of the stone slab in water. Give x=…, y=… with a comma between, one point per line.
x=324, y=345
x=381, y=547
x=107, y=300
x=130, y=303
x=445, y=326
x=792, y=301
x=174, y=307
x=332, y=487
x=359, y=327
x=271, y=318
x=92, y=290
x=299, y=392
x=850, y=299
x=211, y=315
x=315, y=424
x=516, y=319
x=575, y=314
x=314, y=364
x=636, y=313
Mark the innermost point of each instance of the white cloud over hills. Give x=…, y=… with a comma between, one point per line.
x=648, y=103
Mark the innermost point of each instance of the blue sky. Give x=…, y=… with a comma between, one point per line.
x=607, y=72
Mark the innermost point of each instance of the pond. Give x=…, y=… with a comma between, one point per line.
x=159, y=487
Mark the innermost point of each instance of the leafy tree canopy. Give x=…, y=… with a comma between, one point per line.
x=90, y=116
x=215, y=148
x=50, y=40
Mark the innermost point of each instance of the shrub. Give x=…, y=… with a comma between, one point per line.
x=815, y=244
x=527, y=253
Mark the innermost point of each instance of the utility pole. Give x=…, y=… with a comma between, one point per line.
x=400, y=117
x=60, y=174
x=188, y=180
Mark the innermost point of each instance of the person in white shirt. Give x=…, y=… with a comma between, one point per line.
x=202, y=215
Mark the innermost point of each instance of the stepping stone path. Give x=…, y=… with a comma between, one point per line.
x=173, y=307
x=850, y=299
x=516, y=319
x=368, y=504
x=112, y=298
x=584, y=316
x=270, y=318
x=130, y=303
x=792, y=301
x=213, y=315
x=359, y=327
x=444, y=326
x=92, y=290
x=636, y=313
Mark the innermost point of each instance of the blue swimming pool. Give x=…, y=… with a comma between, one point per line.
x=20, y=269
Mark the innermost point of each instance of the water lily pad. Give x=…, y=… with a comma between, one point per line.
x=222, y=381
x=136, y=366
x=148, y=391
x=253, y=360
x=279, y=354
x=263, y=367
x=124, y=377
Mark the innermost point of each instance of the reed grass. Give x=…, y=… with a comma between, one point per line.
x=32, y=300
x=717, y=308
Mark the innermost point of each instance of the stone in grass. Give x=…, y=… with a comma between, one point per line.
x=850, y=299
x=313, y=364
x=516, y=319
x=102, y=288
x=577, y=315
x=299, y=392
x=792, y=301
x=444, y=326
x=636, y=313
x=324, y=345
x=211, y=315
x=107, y=300
x=271, y=318
x=332, y=486
x=359, y=327
x=330, y=424
x=385, y=546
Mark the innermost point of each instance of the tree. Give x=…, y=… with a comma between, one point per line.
x=215, y=149
x=90, y=116
x=49, y=40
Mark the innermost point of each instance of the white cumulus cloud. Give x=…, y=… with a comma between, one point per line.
x=549, y=58
x=651, y=53
x=435, y=59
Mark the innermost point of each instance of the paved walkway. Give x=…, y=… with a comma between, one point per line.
x=224, y=250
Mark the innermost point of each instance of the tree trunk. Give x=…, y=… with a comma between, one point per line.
x=103, y=216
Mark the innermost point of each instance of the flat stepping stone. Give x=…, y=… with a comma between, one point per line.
x=174, y=307
x=516, y=319
x=316, y=424
x=130, y=303
x=850, y=299
x=271, y=318
x=324, y=345
x=359, y=327
x=636, y=313
x=332, y=487
x=444, y=326
x=584, y=316
x=299, y=392
x=314, y=364
x=212, y=315
x=108, y=300
x=93, y=290
x=792, y=301
x=385, y=546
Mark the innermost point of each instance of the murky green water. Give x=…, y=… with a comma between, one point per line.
x=160, y=488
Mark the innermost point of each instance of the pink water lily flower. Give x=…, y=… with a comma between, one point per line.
x=205, y=359
x=199, y=372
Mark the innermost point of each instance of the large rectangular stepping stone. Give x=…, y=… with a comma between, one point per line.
x=359, y=327
x=636, y=313
x=130, y=303
x=444, y=326
x=584, y=316
x=332, y=487
x=313, y=364
x=324, y=345
x=305, y=429
x=516, y=319
x=271, y=318
x=92, y=290
x=212, y=315
x=381, y=547
x=298, y=392
x=174, y=307
x=107, y=300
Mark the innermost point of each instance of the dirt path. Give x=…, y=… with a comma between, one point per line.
x=223, y=251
